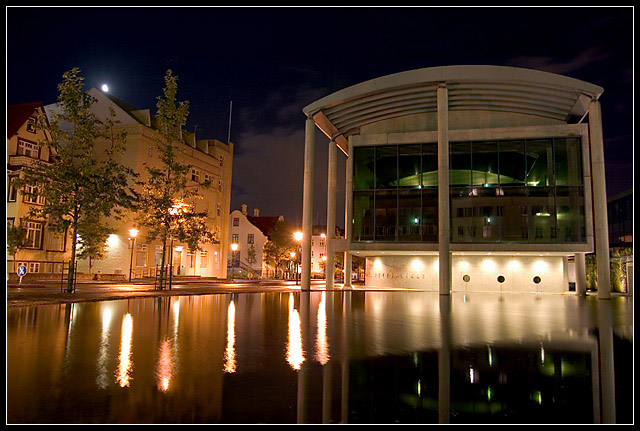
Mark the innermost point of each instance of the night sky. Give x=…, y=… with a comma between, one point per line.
x=271, y=62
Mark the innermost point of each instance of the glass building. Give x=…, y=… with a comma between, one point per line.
x=466, y=178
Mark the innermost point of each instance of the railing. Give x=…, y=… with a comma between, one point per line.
x=166, y=277
x=237, y=267
x=64, y=275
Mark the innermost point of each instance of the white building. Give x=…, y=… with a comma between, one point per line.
x=464, y=178
x=248, y=235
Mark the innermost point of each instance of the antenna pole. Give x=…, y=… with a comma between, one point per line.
x=229, y=132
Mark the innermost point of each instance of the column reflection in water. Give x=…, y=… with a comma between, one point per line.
x=605, y=353
x=125, y=364
x=444, y=361
x=230, y=353
x=346, y=327
x=303, y=366
x=102, y=379
x=327, y=369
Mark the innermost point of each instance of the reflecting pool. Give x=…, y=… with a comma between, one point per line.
x=323, y=357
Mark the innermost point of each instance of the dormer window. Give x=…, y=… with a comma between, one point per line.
x=31, y=125
x=28, y=149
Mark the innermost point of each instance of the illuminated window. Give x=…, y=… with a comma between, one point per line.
x=141, y=255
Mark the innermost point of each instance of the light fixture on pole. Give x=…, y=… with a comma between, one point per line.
x=298, y=237
x=132, y=243
x=292, y=254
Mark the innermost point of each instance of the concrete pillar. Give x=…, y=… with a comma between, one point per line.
x=307, y=203
x=601, y=226
x=444, y=229
x=580, y=267
x=348, y=217
x=332, y=182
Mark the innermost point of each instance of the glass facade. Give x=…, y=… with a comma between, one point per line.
x=515, y=191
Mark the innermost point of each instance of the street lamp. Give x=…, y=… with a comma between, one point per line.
x=292, y=254
x=132, y=241
x=234, y=247
x=324, y=265
x=298, y=237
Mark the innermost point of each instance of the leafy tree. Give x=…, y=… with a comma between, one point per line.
x=277, y=250
x=79, y=187
x=92, y=243
x=16, y=238
x=251, y=254
x=166, y=206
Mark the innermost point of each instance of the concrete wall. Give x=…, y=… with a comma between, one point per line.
x=421, y=273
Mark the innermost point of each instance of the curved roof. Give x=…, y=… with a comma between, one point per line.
x=496, y=88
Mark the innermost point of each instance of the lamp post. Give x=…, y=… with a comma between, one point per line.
x=234, y=248
x=292, y=254
x=132, y=241
x=298, y=237
x=324, y=264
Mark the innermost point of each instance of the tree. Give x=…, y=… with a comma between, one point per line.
x=80, y=189
x=16, y=237
x=166, y=205
x=92, y=243
x=277, y=250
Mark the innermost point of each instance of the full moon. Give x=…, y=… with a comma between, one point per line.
x=105, y=87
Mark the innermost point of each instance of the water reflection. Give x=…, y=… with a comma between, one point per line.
x=125, y=364
x=102, y=380
x=322, y=343
x=295, y=353
x=378, y=357
x=230, y=353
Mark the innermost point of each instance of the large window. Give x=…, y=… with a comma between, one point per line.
x=511, y=191
x=34, y=234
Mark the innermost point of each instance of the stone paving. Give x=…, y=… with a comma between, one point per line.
x=48, y=292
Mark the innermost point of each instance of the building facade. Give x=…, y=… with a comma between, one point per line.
x=210, y=160
x=44, y=250
x=249, y=234
x=466, y=178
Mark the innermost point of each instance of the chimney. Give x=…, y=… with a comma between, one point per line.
x=244, y=209
x=256, y=212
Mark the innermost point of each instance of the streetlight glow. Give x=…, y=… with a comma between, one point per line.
x=133, y=233
x=297, y=236
x=234, y=246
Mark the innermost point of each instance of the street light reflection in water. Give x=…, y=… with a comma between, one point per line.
x=333, y=357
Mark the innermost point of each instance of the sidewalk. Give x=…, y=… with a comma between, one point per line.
x=49, y=292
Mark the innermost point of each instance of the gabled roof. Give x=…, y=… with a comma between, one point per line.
x=265, y=224
x=493, y=88
x=18, y=114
